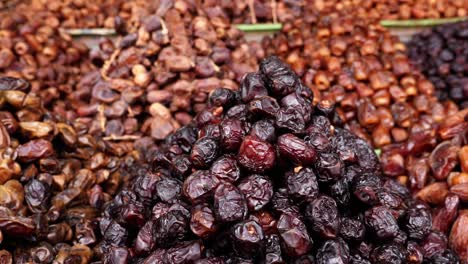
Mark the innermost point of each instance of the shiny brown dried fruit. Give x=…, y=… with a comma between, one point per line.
x=461, y=190
x=463, y=157
x=35, y=149
x=459, y=236
x=434, y=193
x=443, y=159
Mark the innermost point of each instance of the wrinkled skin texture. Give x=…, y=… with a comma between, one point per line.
x=256, y=155
x=229, y=203
x=294, y=235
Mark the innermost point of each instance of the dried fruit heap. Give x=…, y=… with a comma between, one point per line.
x=442, y=55
x=32, y=48
x=394, y=9
x=54, y=180
x=255, y=11
x=76, y=13
x=262, y=175
x=160, y=72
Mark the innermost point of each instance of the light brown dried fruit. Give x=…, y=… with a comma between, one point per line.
x=433, y=193
x=5, y=257
x=454, y=125
x=35, y=149
x=459, y=236
x=443, y=159
x=461, y=190
x=455, y=178
x=443, y=217
x=4, y=137
x=463, y=157
x=36, y=129
x=161, y=127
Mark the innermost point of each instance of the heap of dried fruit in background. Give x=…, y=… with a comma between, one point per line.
x=380, y=97
x=268, y=11
x=158, y=75
x=442, y=55
x=263, y=176
x=54, y=179
x=80, y=13
x=395, y=9
x=255, y=11
x=35, y=50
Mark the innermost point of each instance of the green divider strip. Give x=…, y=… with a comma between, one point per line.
x=421, y=22
x=259, y=27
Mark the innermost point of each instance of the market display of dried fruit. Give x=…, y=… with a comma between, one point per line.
x=394, y=9
x=255, y=11
x=165, y=146
x=55, y=178
x=156, y=77
x=442, y=55
x=414, y=9
x=263, y=176
x=273, y=11
x=82, y=13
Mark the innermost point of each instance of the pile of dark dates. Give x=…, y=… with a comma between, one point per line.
x=264, y=176
x=442, y=55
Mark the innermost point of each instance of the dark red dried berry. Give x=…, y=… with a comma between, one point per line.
x=264, y=129
x=229, y=203
x=202, y=222
x=418, y=222
x=333, y=251
x=388, y=254
x=231, y=134
x=226, y=169
x=199, y=186
x=381, y=222
x=294, y=235
x=323, y=217
x=252, y=87
x=263, y=107
x=204, y=152
x=248, y=238
x=257, y=191
x=302, y=185
x=256, y=155
x=278, y=76
x=296, y=150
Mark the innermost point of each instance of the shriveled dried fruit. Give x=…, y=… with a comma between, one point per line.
x=322, y=214
x=248, y=238
x=434, y=193
x=333, y=250
x=381, y=223
x=459, y=236
x=257, y=191
x=294, y=235
x=229, y=203
x=256, y=155
x=443, y=159
x=461, y=190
